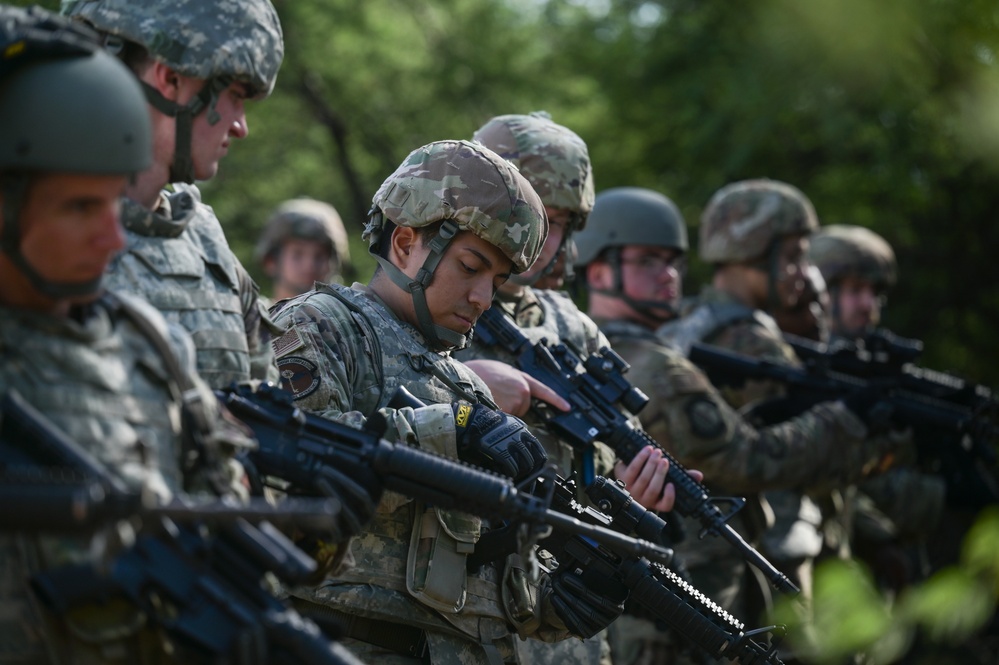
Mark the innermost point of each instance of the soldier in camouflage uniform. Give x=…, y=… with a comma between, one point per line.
x=105, y=369
x=755, y=235
x=304, y=242
x=809, y=316
x=447, y=229
x=632, y=255
x=894, y=511
x=557, y=164
x=198, y=62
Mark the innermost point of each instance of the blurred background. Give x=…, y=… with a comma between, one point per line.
x=886, y=114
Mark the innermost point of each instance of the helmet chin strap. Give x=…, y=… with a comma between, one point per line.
x=182, y=167
x=14, y=192
x=643, y=307
x=438, y=337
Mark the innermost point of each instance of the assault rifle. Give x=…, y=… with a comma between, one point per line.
x=600, y=399
x=204, y=589
x=653, y=588
x=298, y=447
x=655, y=591
x=953, y=421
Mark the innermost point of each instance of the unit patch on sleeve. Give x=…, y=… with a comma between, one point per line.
x=299, y=376
x=705, y=420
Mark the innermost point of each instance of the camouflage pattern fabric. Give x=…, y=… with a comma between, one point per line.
x=467, y=183
x=103, y=382
x=553, y=315
x=178, y=259
x=688, y=416
x=343, y=354
x=842, y=251
x=553, y=159
x=793, y=539
x=742, y=219
x=203, y=39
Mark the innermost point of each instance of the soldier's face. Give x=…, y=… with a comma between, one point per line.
x=70, y=230
x=652, y=274
x=858, y=306
x=466, y=279
x=300, y=263
x=559, y=220
x=210, y=143
x=792, y=269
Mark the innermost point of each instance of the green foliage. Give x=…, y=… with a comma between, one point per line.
x=851, y=616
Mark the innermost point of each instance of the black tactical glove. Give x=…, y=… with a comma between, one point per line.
x=496, y=440
x=588, y=602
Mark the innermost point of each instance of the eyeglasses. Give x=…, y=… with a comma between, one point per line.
x=653, y=263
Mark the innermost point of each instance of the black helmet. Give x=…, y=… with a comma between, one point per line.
x=66, y=107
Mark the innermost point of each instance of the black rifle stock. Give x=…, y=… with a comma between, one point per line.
x=295, y=446
x=204, y=589
x=953, y=422
x=655, y=591
x=594, y=387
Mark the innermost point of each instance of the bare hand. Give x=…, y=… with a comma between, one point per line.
x=645, y=478
x=512, y=389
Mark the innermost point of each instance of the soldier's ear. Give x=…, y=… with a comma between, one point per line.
x=163, y=79
x=599, y=275
x=404, y=239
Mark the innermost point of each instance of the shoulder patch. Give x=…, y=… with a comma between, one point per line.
x=705, y=419
x=299, y=376
x=288, y=342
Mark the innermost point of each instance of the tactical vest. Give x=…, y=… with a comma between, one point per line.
x=409, y=551
x=794, y=533
x=707, y=319
x=177, y=258
x=107, y=386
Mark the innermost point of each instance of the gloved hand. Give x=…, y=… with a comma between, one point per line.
x=869, y=404
x=496, y=440
x=588, y=602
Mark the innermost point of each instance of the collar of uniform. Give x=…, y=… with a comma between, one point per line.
x=525, y=307
x=173, y=212
x=364, y=290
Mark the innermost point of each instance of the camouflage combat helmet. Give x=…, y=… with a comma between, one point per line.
x=67, y=107
x=630, y=216
x=844, y=251
x=220, y=41
x=306, y=219
x=556, y=163
x=467, y=187
x=553, y=159
x=743, y=219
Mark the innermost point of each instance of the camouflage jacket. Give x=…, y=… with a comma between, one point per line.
x=343, y=354
x=552, y=315
x=102, y=380
x=178, y=259
x=718, y=319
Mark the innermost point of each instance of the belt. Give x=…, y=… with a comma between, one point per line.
x=403, y=639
